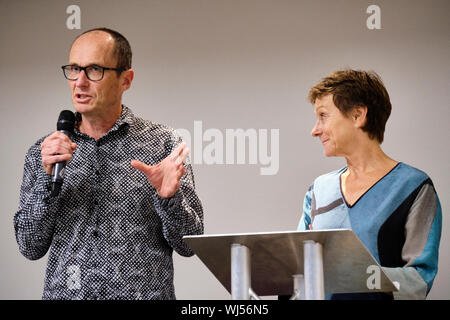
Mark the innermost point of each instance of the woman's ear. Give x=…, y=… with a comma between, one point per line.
x=359, y=116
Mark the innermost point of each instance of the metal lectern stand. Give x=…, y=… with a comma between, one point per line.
x=304, y=264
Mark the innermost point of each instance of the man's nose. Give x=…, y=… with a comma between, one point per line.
x=82, y=80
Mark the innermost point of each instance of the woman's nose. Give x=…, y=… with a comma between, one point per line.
x=315, y=130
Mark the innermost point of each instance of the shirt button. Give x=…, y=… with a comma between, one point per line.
x=96, y=202
x=97, y=172
x=95, y=233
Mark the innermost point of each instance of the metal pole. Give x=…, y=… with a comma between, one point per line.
x=313, y=269
x=299, y=287
x=240, y=272
x=253, y=295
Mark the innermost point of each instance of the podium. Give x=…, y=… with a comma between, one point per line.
x=303, y=264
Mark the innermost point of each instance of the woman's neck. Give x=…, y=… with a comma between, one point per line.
x=369, y=159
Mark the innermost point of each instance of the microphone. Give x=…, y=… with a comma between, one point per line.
x=65, y=124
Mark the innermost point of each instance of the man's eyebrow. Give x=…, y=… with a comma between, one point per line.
x=90, y=64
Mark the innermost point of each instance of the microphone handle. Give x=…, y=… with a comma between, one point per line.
x=59, y=171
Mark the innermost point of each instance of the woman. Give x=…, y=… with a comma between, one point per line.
x=392, y=207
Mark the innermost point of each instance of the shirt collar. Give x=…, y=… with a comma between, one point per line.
x=127, y=117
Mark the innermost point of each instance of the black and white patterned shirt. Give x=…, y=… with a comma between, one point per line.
x=110, y=235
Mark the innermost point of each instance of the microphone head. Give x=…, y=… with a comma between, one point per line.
x=66, y=121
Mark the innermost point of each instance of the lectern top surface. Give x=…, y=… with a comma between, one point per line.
x=277, y=256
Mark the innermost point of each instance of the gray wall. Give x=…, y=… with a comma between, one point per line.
x=231, y=64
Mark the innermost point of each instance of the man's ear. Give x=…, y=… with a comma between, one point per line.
x=359, y=116
x=127, y=77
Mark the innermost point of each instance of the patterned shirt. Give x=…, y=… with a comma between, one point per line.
x=110, y=235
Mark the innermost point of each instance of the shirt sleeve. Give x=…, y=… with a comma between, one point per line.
x=34, y=220
x=182, y=214
x=305, y=219
x=421, y=249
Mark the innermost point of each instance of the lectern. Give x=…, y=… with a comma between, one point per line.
x=303, y=264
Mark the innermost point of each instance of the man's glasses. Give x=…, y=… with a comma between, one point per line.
x=93, y=72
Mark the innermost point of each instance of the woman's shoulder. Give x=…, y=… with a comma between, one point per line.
x=408, y=172
x=328, y=180
x=330, y=176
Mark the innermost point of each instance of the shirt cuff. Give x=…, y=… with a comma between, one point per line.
x=172, y=204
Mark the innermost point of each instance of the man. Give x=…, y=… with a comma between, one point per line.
x=127, y=198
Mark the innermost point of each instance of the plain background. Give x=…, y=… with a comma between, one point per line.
x=231, y=64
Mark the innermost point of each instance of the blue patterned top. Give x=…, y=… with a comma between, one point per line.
x=399, y=220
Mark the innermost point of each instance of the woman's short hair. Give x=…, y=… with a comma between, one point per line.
x=352, y=88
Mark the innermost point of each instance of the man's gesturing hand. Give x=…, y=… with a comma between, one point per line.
x=165, y=176
x=55, y=148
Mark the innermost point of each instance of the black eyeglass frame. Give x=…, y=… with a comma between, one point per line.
x=120, y=70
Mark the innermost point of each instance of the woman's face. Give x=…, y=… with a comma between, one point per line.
x=335, y=130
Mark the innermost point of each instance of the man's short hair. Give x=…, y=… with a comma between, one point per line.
x=352, y=88
x=122, y=48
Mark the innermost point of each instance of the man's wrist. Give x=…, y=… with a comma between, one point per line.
x=170, y=204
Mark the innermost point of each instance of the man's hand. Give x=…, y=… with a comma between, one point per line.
x=55, y=148
x=165, y=176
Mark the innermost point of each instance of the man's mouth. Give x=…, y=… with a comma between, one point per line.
x=82, y=98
